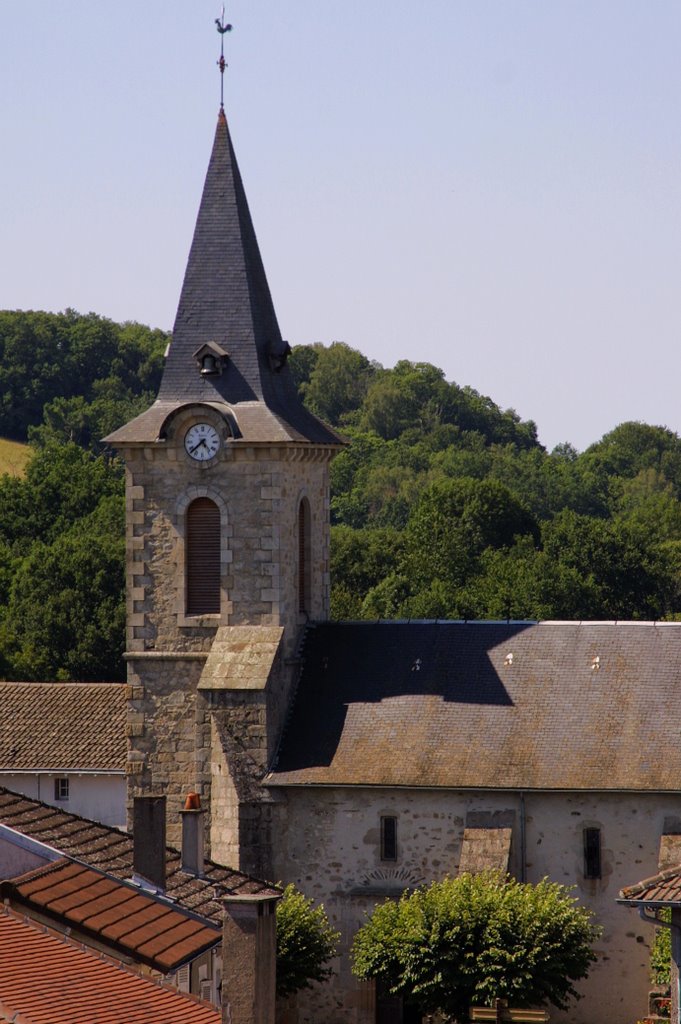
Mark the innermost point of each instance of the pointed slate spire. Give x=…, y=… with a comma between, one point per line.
x=225, y=304
x=225, y=297
x=226, y=300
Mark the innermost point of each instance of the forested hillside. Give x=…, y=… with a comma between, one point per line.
x=65, y=381
x=443, y=505
x=70, y=377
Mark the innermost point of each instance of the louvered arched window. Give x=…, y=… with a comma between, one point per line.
x=202, y=557
x=304, y=556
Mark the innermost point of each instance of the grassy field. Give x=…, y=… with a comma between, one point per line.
x=13, y=457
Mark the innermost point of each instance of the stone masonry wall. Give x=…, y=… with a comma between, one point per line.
x=258, y=490
x=168, y=734
x=329, y=846
x=243, y=679
x=240, y=835
x=185, y=739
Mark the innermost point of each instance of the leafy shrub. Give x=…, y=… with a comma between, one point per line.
x=306, y=942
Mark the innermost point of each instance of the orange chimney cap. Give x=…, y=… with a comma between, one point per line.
x=193, y=802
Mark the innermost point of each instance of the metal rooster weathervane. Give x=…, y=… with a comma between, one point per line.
x=222, y=64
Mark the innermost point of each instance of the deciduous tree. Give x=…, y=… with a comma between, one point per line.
x=306, y=942
x=474, y=939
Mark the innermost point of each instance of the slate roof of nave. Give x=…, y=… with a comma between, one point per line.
x=110, y=850
x=549, y=705
x=62, y=727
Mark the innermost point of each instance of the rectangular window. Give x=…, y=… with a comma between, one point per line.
x=388, y=838
x=592, y=853
x=61, y=789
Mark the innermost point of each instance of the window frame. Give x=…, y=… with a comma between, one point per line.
x=199, y=599
x=304, y=533
x=593, y=867
x=388, y=828
x=62, y=788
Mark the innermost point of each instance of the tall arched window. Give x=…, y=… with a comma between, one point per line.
x=304, y=556
x=202, y=557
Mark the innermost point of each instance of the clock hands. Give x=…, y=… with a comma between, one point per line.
x=201, y=442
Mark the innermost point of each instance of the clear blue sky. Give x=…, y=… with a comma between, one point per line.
x=493, y=186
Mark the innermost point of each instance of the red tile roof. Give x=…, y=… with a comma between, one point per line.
x=663, y=888
x=62, y=727
x=48, y=979
x=133, y=922
x=110, y=850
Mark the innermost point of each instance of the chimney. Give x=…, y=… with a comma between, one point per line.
x=192, y=835
x=149, y=840
x=249, y=957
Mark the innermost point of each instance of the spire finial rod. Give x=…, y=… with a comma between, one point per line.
x=222, y=64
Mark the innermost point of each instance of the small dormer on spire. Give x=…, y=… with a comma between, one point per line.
x=210, y=359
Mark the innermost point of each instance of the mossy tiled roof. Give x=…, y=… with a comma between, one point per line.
x=550, y=705
x=62, y=727
x=110, y=850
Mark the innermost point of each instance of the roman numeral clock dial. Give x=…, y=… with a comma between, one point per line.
x=201, y=442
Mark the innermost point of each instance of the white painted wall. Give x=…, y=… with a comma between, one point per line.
x=17, y=858
x=98, y=797
x=330, y=848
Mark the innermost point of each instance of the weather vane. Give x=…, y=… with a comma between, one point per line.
x=222, y=64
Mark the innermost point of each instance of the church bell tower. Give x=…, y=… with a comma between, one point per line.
x=227, y=500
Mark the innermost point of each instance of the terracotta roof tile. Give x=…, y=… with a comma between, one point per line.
x=110, y=850
x=516, y=705
x=135, y=923
x=62, y=727
x=74, y=985
x=664, y=887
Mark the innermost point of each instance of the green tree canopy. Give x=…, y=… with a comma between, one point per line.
x=632, y=447
x=338, y=382
x=411, y=395
x=66, y=613
x=454, y=522
x=49, y=356
x=302, y=362
x=476, y=938
x=362, y=558
x=62, y=604
x=306, y=943
x=63, y=483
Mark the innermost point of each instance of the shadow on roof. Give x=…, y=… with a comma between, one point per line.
x=366, y=663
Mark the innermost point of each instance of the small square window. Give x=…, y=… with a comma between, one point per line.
x=61, y=789
x=388, y=838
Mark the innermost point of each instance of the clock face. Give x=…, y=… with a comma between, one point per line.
x=201, y=442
